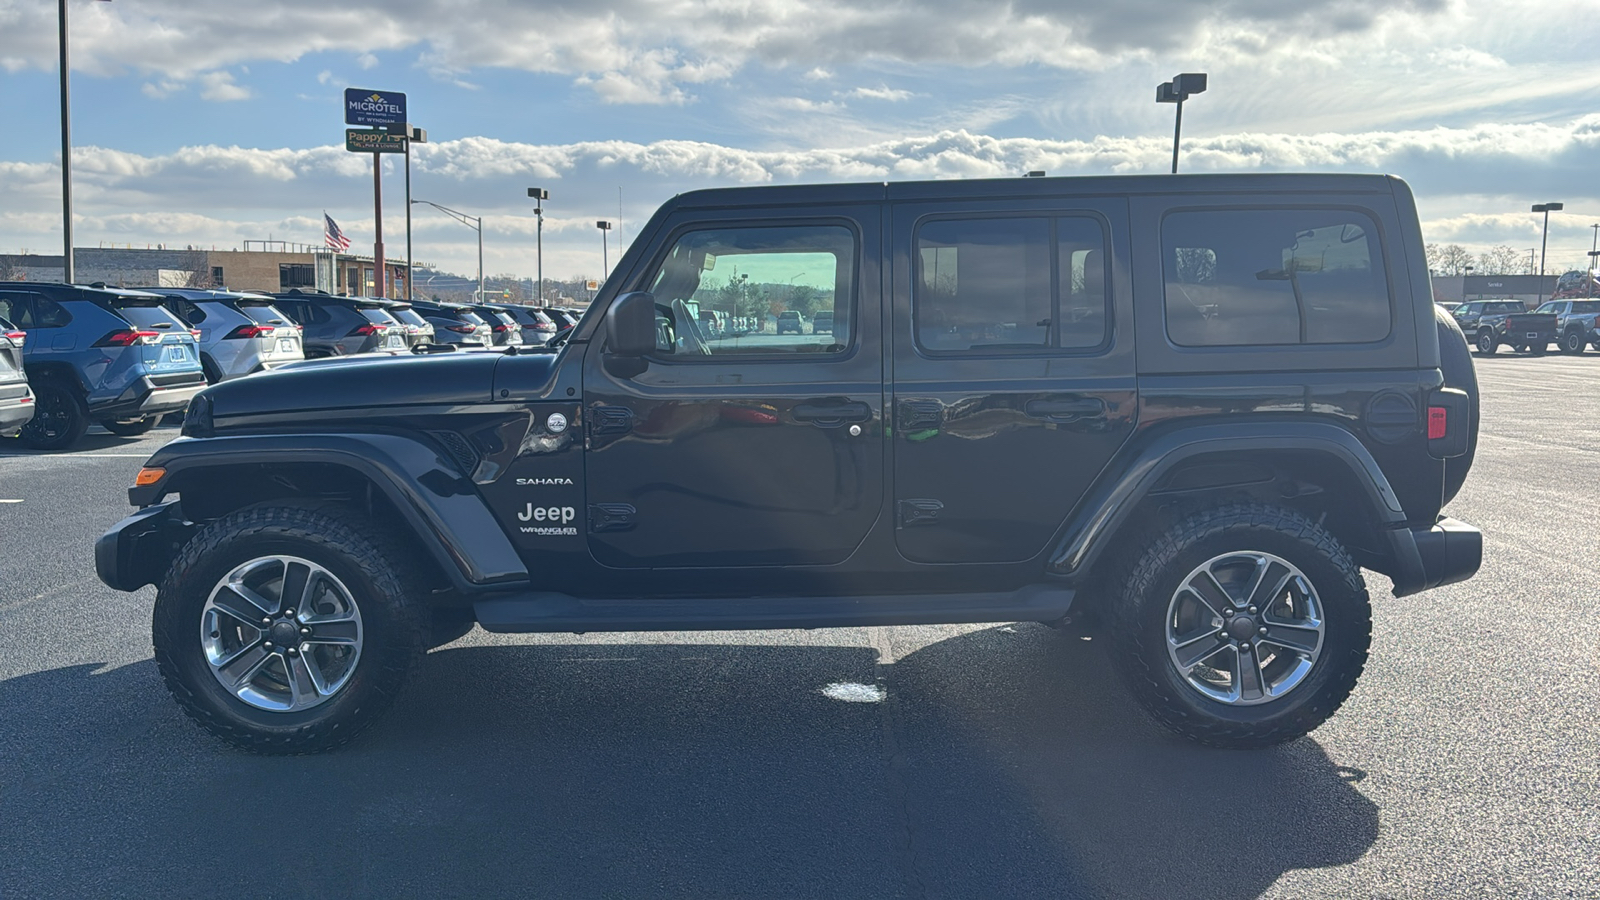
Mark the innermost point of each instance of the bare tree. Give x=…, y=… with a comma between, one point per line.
x=1452, y=259
x=1499, y=260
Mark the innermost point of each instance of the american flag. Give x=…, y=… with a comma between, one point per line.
x=333, y=236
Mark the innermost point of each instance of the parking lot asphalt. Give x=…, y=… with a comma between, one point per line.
x=1003, y=761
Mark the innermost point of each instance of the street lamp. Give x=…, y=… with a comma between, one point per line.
x=1176, y=91
x=473, y=222
x=539, y=195
x=413, y=136
x=1547, y=209
x=605, y=255
x=67, y=273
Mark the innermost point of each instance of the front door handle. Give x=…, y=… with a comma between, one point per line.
x=831, y=413
x=1066, y=410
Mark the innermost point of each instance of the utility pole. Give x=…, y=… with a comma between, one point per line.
x=1547, y=209
x=605, y=254
x=68, y=271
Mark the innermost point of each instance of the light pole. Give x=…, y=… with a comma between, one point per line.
x=539, y=195
x=413, y=136
x=1547, y=209
x=605, y=254
x=1594, y=259
x=67, y=268
x=473, y=222
x=1176, y=91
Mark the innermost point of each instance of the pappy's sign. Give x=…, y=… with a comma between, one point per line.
x=375, y=108
x=359, y=141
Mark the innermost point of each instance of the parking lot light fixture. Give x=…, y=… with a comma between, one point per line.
x=539, y=195
x=1176, y=91
x=605, y=254
x=1547, y=209
x=473, y=222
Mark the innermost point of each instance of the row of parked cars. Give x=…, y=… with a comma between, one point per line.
x=75, y=355
x=1573, y=325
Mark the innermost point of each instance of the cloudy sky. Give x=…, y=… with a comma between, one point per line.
x=212, y=122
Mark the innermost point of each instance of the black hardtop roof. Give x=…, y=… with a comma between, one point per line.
x=1076, y=185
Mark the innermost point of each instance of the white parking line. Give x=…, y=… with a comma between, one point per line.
x=10, y=501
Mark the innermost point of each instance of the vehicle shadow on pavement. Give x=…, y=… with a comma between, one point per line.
x=1006, y=762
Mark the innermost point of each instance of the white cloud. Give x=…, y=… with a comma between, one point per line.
x=219, y=87
x=1473, y=184
x=367, y=61
x=893, y=95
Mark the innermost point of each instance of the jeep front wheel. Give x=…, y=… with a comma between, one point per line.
x=287, y=629
x=1243, y=626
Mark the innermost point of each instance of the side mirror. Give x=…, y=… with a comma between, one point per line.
x=630, y=333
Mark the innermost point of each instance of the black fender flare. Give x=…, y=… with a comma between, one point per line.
x=439, y=505
x=1105, y=509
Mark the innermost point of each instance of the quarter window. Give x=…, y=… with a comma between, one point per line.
x=1263, y=277
x=1033, y=284
x=757, y=290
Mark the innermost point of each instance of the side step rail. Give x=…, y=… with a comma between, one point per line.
x=543, y=611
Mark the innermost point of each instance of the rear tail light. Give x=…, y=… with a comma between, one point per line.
x=366, y=329
x=502, y=328
x=195, y=333
x=127, y=337
x=251, y=331
x=1449, y=423
x=1438, y=422
x=17, y=337
x=461, y=329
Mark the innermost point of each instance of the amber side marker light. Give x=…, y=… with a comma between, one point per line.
x=149, y=477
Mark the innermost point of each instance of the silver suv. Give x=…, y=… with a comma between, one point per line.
x=239, y=333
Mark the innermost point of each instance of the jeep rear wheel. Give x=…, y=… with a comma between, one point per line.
x=1243, y=626
x=287, y=629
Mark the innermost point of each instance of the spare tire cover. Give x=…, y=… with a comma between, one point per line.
x=1455, y=360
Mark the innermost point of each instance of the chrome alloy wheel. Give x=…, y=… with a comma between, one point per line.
x=281, y=633
x=1244, y=628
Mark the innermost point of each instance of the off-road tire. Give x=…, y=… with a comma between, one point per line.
x=130, y=429
x=1572, y=343
x=374, y=566
x=55, y=394
x=1486, y=343
x=1137, y=624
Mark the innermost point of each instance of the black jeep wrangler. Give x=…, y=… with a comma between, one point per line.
x=1196, y=405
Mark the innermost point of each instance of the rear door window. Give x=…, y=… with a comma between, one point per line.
x=1254, y=277
x=1034, y=284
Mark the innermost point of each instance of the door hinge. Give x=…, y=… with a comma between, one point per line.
x=919, y=512
x=920, y=415
x=610, y=420
x=611, y=517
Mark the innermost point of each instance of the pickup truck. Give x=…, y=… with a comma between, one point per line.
x=1575, y=323
x=1490, y=323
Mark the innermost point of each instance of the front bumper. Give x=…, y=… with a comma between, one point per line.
x=137, y=550
x=1425, y=558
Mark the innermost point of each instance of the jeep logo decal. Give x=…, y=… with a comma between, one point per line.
x=562, y=514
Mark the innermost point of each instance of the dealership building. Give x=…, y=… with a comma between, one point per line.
x=266, y=266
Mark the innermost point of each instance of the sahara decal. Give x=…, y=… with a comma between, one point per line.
x=538, y=482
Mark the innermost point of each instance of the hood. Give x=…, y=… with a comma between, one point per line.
x=365, y=383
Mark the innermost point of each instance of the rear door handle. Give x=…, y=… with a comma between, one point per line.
x=1066, y=410
x=831, y=413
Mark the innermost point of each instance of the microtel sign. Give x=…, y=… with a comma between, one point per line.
x=374, y=108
